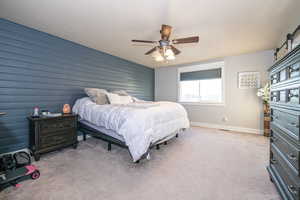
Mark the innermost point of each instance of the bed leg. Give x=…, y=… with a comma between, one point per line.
x=176, y=135
x=165, y=143
x=84, y=136
x=157, y=146
x=109, y=146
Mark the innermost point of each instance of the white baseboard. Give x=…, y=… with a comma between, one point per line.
x=230, y=128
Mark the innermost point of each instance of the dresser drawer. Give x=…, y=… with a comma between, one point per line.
x=274, y=78
x=289, y=151
x=275, y=96
x=293, y=96
x=59, y=138
x=290, y=182
x=286, y=120
x=49, y=126
x=287, y=96
x=289, y=72
x=293, y=70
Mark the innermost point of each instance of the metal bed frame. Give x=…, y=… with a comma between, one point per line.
x=85, y=129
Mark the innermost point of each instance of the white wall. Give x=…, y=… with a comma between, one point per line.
x=243, y=108
x=292, y=24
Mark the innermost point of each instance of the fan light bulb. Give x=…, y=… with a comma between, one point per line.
x=169, y=52
x=171, y=57
x=155, y=54
x=159, y=58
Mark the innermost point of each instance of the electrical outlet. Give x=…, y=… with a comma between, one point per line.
x=224, y=119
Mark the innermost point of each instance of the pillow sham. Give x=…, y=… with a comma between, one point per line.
x=99, y=96
x=118, y=99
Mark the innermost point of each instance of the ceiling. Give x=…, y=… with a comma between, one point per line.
x=225, y=27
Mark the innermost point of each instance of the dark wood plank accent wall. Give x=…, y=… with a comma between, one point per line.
x=38, y=69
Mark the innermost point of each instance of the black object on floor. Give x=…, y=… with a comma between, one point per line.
x=15, y=168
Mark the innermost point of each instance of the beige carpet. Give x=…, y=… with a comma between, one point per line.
x=202, y=164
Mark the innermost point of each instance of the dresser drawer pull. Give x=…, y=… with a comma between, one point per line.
x=294, y=70
x=294, y=124
x=273, y=161
x=293, y=95
x=273, y=78
x=292, y=189
x=274, y=116
x=274, y=94
x=292, y=156
x=274, y=139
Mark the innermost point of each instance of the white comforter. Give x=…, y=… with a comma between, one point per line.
x=140, y=124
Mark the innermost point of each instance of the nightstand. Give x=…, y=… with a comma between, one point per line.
x=52, y=133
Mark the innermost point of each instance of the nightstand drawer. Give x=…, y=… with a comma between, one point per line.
x=57, y=139
x=55, y=125
x=290, y=152
x=291, y=183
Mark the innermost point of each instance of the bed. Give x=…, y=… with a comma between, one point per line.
x=137, y=126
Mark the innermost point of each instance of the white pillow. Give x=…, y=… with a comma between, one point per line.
x=120, y=92
x=117, y=99
x=134, y=99
x=97, y=95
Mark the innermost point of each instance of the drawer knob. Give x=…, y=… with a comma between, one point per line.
x=292, y=156
x=273, y=161
x=294, y=124
x=294, y=70
x=275, y=117
x=274, y=139
x=293, y=95
x=292, y=189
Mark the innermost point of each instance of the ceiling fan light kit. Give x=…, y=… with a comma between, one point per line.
x=163, y=54
x=165, y=50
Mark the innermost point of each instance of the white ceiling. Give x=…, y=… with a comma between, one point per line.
x=225, y=27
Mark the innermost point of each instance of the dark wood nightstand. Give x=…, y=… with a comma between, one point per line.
x=52, y=133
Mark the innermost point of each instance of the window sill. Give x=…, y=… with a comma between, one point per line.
x=201, y=104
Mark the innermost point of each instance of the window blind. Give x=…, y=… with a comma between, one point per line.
x=201, y=75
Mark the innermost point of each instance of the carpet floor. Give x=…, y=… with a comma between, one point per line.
x=202, y=164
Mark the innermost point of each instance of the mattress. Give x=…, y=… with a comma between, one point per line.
x=102, y=129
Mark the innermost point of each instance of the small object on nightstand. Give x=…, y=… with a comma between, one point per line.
x=45, y=112
x=66, y=109
x=36, y=112
x=52, y=133
x=52, y=114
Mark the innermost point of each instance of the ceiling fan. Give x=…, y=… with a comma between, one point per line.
x=165, y=49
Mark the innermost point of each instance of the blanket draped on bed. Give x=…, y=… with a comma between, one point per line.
x=140, y=124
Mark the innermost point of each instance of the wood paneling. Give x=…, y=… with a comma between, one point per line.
x=38, y=69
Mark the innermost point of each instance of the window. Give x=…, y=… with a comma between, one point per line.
x=201, y=84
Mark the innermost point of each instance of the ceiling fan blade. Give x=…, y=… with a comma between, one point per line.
x=175, y=50
x=142, y=45
x=165, y=31
x=150, y=51
x=186, y=40
x=144, y=41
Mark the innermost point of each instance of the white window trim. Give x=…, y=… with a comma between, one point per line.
x=205, y=66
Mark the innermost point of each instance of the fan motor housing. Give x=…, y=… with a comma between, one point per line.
x=164, y=43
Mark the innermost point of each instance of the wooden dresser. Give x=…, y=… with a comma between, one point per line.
x=285, y=120
x=52, y=133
